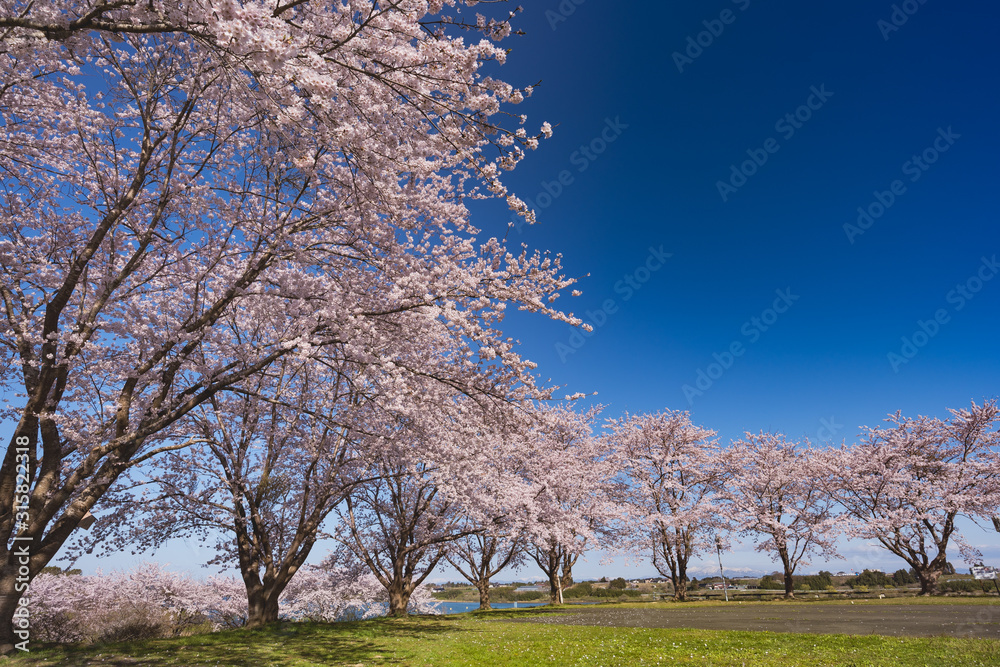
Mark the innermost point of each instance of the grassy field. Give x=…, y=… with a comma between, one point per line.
x=495, y=639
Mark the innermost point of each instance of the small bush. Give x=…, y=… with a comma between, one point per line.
x=581, y=590
x=870, y=579
x=449, y=594
x=964, y=586
x=509, y=594
x=502, y=594
x=615, y=593
x=528, y=596
x=125, y=629
x=814, y=582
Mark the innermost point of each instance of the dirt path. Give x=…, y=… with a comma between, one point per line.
x=982, y=621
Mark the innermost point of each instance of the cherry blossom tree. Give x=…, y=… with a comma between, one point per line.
x=423, y=474
x=400, y=527
x=770, y=489
x=282, y=449
x=904, y=485
x=575, y=491
x=118, y=606
x=172, y=169
x=481, y=556
x=670, y=467
x=151, y=601
x=275, y=459
x=442, y=473
x=333, y=592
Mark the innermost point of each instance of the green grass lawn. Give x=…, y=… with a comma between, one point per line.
x=802, y=598
x=491, y=638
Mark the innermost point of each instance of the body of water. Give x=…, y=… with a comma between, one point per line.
x=462, y=607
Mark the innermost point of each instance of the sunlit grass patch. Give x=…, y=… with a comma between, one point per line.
x=497, y=639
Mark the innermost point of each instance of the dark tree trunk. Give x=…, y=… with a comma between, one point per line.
x=680, y=582
x=18, y=567
x=929, y=578
x=10, y=637
x=555, y=586
x=484, y=594
x=789, y=582
x=399, y=591
x=262, y=608
x=567, y=577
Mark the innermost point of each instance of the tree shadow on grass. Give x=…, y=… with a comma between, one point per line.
x=378, y=641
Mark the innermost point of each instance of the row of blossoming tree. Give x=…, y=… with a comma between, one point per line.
x=234, y=243
x=242, y=301
x=901, y=486
x=543, y=487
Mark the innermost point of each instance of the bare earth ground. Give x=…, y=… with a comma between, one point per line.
x=897, y=620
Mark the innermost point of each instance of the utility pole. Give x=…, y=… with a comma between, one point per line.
x=718, y=547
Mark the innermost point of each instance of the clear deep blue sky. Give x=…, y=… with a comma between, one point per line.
x=822, y=368
x=609, y=67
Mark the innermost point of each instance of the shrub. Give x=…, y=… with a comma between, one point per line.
x=147, y=602
x=581, y=590
x=615, y=593
x=151, y=602
x=449, y=594
x=619, y=583
x=814, y=582
x=870, y=579
x=510, y=594
x=964, y=586
x=502, y=594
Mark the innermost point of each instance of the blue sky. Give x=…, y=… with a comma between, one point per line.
x=909, y=106
x=644, y=137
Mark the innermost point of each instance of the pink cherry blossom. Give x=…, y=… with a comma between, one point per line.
x=904, y=485
x=670, y=466
x=770, y=490
x=195, y=190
